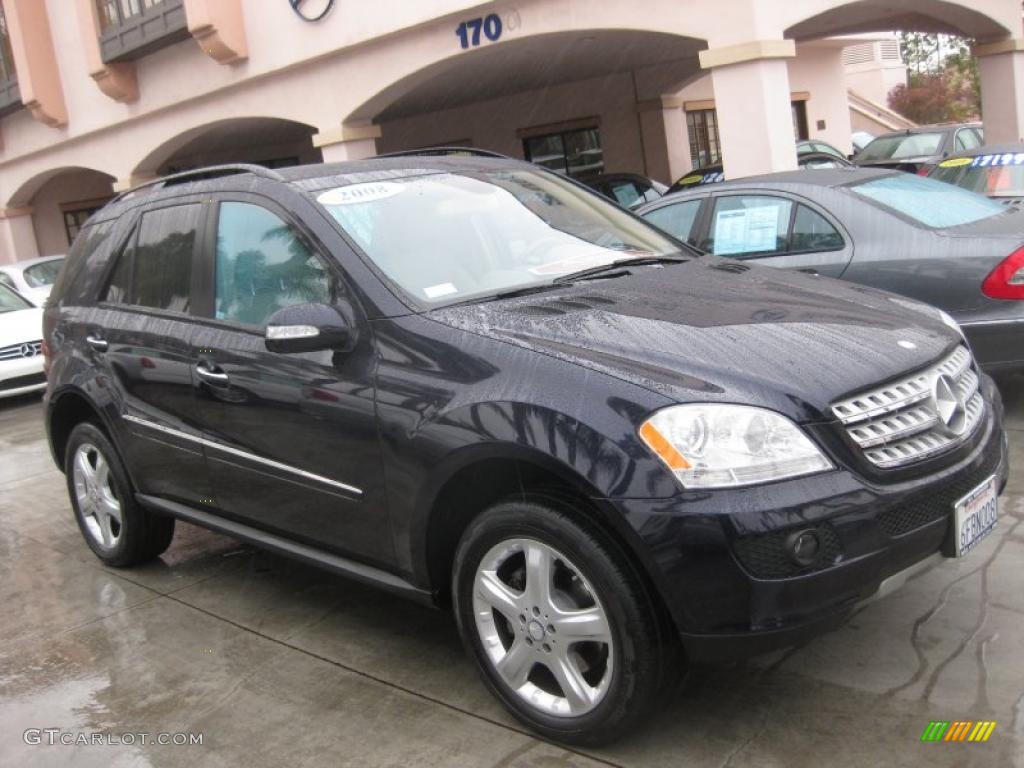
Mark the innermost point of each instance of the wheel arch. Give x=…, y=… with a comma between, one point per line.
x=477, y=477
x=65, y=410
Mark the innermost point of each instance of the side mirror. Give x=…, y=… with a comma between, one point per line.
x=311, y=327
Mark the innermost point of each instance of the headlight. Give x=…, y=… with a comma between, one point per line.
x=948, y=320
x=722, y=446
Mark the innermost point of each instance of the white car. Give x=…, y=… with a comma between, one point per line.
x=32, y=278
x=21, y=345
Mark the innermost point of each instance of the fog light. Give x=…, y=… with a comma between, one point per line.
x=804, y=546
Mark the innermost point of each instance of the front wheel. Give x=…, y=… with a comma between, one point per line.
x=558, y=621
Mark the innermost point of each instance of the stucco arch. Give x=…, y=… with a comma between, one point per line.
x=978, y=19
x=256, y=138
x=560, y=42
x=26, y=190
x=664, y=63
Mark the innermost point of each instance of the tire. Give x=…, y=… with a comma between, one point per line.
x=614, y=677
x=116, y=528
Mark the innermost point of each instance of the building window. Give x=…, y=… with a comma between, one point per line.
x=702, y=127
x=75, y=218
x=131, y=29
x=116, y=12
x=576, y=153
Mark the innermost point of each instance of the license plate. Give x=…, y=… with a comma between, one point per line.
x=975, y=516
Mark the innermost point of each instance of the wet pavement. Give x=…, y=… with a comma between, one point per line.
x=275, y=663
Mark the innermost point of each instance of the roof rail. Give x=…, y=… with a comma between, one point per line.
x=198, y=174
x=441, y=151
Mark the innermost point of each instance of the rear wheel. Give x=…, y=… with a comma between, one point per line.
x=116, y=528
x=561, y=626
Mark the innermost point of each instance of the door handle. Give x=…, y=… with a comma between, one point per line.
x=808, y=271
x=212, y=374
x=100, y=345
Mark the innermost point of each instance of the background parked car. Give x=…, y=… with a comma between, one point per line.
x=996, y=172
x=920, y=149
x=32, y=278
x=21, y=345
x=810, y=159
x=914, y=236
x=629, y=190
x=860, y=139
x=816, y=146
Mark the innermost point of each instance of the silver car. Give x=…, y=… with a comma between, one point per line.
x=953, y=249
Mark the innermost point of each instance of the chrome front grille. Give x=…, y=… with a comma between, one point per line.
x=901, y=422
x=18, y=351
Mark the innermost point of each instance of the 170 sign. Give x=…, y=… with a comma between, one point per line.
x=469, y=31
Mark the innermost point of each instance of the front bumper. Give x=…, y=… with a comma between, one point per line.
x=715, y=555
x=21, y=375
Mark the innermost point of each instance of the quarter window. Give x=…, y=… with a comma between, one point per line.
x=744, y=224
x=262, y=266
x=155, y=270
x=813, y=232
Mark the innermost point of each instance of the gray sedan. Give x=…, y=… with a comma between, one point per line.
x=933, y=242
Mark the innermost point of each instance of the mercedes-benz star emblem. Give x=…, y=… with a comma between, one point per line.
x=949, y=405
x=27, y=350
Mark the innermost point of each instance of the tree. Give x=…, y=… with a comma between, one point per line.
x=943, y=84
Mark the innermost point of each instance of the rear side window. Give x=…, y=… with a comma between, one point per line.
x=262, y=266
x=84, y=264
x=155, y=269
x=967, y=138
x=676, y=219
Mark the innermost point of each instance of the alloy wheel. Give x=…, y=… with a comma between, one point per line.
x=543, y=627
x=97, y=501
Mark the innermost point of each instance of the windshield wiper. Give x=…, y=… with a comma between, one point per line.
x=618, y=266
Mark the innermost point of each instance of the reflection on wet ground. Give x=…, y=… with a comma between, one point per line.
x=275, y=663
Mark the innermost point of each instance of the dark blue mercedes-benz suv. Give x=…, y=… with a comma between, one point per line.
x=478, y=384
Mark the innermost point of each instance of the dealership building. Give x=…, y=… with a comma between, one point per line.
x=99, y=95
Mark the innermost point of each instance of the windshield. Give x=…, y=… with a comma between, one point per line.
x=927, y=201
x=11, y=301
x=43, y=274
x=901, y=147
x=451, y=236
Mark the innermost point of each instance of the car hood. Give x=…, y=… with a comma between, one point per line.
x=721, y=330
x=21, y=325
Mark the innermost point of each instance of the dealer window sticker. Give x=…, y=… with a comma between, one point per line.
x=747, y=230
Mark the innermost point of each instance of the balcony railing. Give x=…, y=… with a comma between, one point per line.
x=130, y=29
x=10, y=96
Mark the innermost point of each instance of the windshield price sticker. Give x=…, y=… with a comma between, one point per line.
x=360, y=193
x=988, y=161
